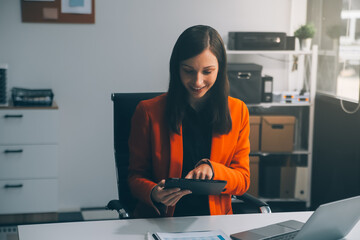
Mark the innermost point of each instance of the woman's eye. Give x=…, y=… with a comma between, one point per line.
x=206, y=72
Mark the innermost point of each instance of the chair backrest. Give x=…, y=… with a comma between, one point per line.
x=124, y=105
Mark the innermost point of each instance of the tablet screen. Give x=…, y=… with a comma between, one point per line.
x=197, y=186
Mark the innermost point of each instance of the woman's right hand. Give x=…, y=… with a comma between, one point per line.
x=168, y=197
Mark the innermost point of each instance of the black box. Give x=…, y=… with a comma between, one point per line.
x=290, y=43
x=269, y=177
x=245, y=81
x=257, y=41
x=267, y=88
x=3, y=97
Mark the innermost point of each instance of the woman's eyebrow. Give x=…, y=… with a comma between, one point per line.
x=185, y=65
x=210, y=66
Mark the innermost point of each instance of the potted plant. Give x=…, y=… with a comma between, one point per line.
x=305, y=33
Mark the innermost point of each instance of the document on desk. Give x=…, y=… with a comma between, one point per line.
x=196, y=235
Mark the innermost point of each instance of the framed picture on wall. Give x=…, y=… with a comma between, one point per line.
x=58, y=11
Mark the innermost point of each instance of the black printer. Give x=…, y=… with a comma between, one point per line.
x=260, y=41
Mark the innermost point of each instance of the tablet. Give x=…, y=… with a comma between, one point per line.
x=197, y=186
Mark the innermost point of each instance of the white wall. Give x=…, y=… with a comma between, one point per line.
x=126, y=50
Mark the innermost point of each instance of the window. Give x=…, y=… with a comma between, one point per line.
x=338, y=36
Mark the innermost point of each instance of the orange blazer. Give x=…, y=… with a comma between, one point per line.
x=157, y=153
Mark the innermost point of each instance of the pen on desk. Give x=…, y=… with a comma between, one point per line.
x=155, y=237
x=150, y=236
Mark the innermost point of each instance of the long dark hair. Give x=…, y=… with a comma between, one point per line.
x=190, y=43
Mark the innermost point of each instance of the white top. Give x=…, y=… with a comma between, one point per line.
x=138, y=228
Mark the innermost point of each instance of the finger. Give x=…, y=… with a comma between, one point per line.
x=165, y=194
x=161, y=183
x=198, y=174
x=177, y=197
x=170, y=199
x=190, y=175
x=175, y=202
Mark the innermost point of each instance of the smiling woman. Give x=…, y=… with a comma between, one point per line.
x=198, y=74
x=194, y=131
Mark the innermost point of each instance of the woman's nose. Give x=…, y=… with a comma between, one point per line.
x=199, y=80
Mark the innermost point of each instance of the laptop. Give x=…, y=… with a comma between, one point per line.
x=330, y=221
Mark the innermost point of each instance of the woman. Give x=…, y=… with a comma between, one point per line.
x=195, y=130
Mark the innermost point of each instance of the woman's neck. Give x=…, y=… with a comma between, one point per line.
x=198, y=104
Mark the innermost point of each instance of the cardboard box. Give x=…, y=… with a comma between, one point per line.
x=254, y=176
x=254, y=133
x=277, y=133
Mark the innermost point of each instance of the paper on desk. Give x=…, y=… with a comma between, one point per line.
x=198, y=235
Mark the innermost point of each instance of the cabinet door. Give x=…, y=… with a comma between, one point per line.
x=28, y=161
x=28, y=196
x=28, y=127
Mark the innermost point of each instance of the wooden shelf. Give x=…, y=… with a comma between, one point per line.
x=12, y=107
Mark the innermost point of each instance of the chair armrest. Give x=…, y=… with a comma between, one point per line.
x=261, y=205
x=116, y=205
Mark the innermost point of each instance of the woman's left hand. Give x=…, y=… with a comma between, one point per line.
x=202, y=171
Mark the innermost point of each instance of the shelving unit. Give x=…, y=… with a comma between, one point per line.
x=304, y=112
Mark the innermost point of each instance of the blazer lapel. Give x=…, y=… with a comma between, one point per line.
x=176, y=154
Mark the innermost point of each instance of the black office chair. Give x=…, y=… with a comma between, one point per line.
x=124, y=106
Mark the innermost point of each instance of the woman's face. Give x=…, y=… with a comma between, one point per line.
x=198, y=74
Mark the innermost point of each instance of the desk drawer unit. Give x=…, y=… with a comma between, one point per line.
x=28, y=196
x=28, y=160
x=28, y=127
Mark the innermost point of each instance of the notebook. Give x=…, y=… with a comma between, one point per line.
x=330, y=221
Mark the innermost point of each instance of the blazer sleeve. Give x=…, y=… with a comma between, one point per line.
x=140, y=164
x=235, y=168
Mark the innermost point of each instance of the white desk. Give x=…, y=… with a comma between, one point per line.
x=136, y=229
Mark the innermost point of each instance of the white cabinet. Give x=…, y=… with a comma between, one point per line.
x=28, y=160
x=306, y=64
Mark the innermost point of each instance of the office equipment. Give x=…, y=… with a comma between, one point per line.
x=124, y=105
x=32, y=97
x=295, y=97
x=3, y=84
x=257, y=41
x=245, y=81
x=290, y=43
x=197, y=186
x=266, y=88
x=331, y=221
x=137, y=229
